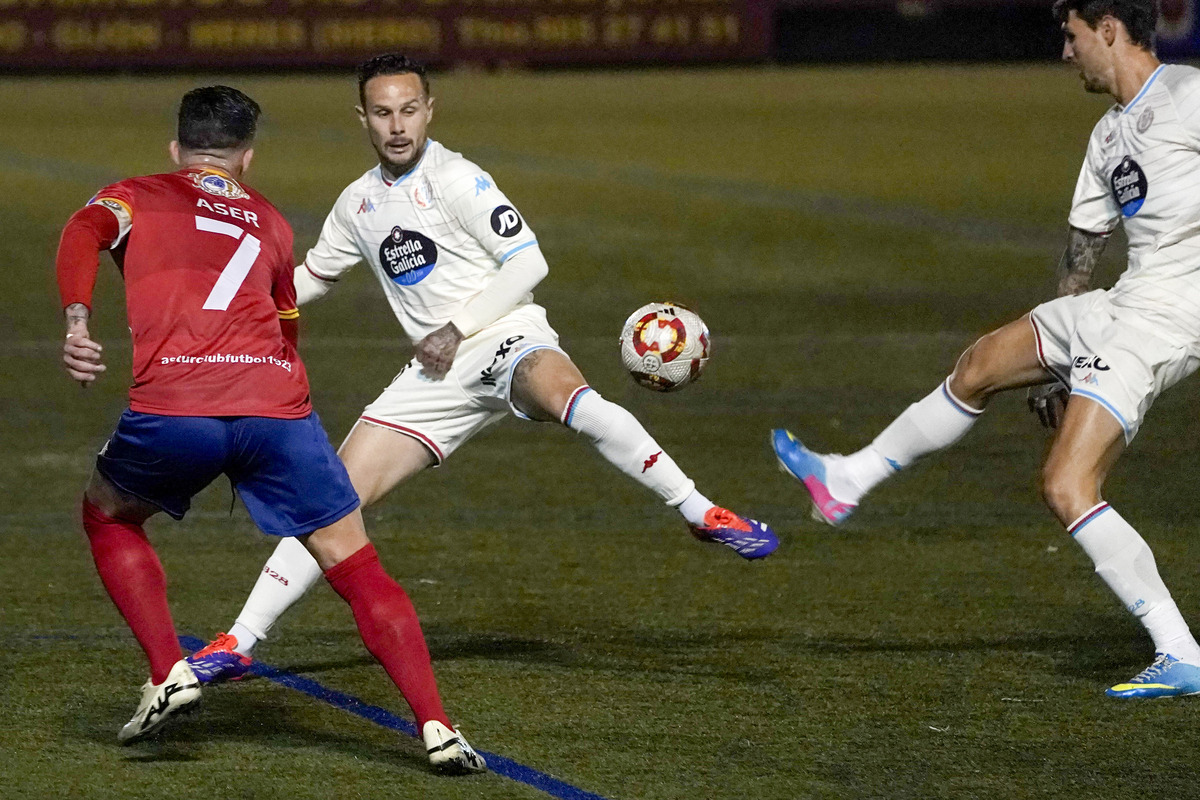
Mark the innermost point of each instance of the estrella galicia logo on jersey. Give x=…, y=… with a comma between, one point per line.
x=219, y=185
x=1129, y=186
x=506, y=221
x=407, y=256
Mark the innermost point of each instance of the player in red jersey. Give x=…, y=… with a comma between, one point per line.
x=219, y=389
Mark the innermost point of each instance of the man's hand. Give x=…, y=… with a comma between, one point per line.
x=81, y=355
x=437, y=350
x=1049, y=402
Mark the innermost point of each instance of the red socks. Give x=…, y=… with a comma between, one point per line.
x=390, y=629
x=135, y=581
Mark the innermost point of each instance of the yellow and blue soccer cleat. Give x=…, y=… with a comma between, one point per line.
x=1166, y=677
x=808, y=467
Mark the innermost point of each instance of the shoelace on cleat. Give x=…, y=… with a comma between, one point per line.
x=1153, y=671
x=223, y=643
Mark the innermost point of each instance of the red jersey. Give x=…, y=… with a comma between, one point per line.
x=208, y=278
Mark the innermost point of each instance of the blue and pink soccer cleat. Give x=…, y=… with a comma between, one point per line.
x=809, y=468
x=747, y=537
x=1166, y=677
x=219, y=662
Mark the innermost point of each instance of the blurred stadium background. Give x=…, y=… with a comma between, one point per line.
x=849, y=192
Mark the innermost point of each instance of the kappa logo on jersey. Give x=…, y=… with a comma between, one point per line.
x=366, y=206
x=482, y=184
x=219, y=185
x=1129, y=186
x=1090, y=362
x=487, y=376
x=407, y=256
x=506, y=221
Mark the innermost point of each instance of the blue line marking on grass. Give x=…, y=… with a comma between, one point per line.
x=384, y=718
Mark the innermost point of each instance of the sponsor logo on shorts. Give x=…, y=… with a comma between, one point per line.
x=407, y=256
x=506, y=221
x=1090, y=362
x=1129, y=186
x=487, y=376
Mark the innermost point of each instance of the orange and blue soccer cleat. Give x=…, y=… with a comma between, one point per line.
x=747, y=537
x=809, y=468
x=1166, y=677
x=219, y=662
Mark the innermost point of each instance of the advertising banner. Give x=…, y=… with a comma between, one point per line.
x=121, y=34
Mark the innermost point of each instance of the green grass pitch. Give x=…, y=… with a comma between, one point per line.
x=845, y=233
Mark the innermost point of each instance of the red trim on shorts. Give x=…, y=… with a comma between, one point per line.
x=319, y=277
x=420, y=437
x=1041, y=354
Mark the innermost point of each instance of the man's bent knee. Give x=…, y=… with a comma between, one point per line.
x=335, y=543
x=1068, y=493
x=543, y=383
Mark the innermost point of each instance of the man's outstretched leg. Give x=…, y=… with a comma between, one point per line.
x=1089, y=443
x=548, y=387
x=377, y=459
x=392, y=633
x=134, y=578
x=1004, y=359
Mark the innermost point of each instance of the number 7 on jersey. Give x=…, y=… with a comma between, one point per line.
x=238, y=267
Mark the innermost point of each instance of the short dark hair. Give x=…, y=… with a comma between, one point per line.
x=217, y=118
x=389, y=64
x=1140, y=17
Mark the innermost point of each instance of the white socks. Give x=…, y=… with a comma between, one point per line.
x=933, y=423
x=623, y=441
x=287, y=575
x=1124, y=562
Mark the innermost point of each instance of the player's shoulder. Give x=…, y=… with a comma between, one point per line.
x=368, y=183
x=447, y=167
x=1181, y=81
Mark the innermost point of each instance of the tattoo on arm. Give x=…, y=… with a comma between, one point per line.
x=1079, y=261
x=76, y=312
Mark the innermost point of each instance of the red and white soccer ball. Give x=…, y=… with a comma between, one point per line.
x=664, y=346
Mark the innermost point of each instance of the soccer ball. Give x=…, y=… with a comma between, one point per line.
x=664, y=346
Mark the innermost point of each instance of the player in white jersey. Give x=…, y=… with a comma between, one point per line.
x=1114, y=350
x=458, y=265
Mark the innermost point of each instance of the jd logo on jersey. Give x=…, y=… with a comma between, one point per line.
x=506, y=221
x=407, y=256
x=1129, y=186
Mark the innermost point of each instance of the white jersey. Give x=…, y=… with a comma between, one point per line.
x=1143, y=168
x=435, y=237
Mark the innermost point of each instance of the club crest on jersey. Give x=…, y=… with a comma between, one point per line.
x=219, y=185
x=407, y=256
x=1129, y=186
x=422, y=194
x=1145, y=120
x=506, y=221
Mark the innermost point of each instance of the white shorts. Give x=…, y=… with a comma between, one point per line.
x=1106, y=354
x=476, y=392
